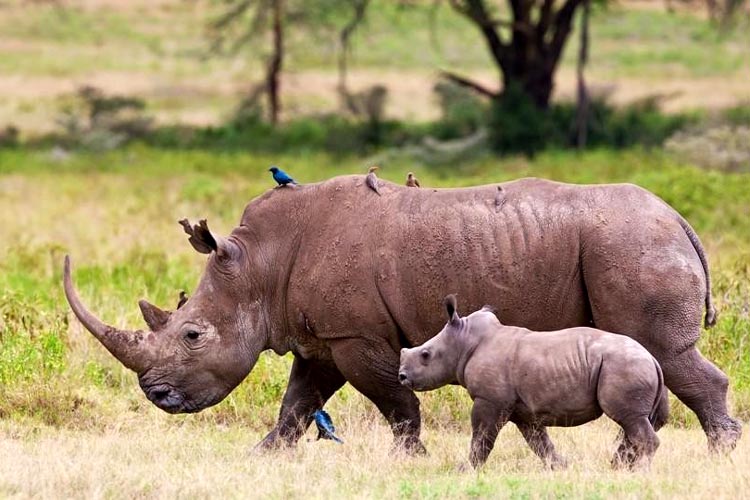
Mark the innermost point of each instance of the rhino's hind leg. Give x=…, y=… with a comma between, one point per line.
x=665, y=317
x=703, y=388
x=538, y=440
x=311, y=383
x=371, y=366
x=638, y=445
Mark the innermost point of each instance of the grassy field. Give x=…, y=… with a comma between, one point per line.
x=73, y=422
x=158, y=51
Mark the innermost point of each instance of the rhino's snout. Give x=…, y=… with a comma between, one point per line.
x=166, y=398
x=403, y=378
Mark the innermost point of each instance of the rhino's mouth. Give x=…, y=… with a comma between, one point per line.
x=404, y=379
x=165, y=397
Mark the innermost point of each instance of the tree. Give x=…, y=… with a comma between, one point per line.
x=525, y=48
x=243, y=21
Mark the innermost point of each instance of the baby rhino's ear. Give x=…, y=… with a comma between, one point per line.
x=450, y=307
x=488, y=308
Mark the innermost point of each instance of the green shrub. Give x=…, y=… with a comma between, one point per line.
x=461, y=111
x=518, y=126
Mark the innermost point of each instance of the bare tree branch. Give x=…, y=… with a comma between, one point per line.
x=582, y=111
x=563, y=25
x=465, y=82
x=360, y=8
x=476, y=11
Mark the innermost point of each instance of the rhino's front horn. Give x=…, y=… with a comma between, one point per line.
x=128, y=347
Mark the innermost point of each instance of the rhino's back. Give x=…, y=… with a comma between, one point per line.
x=382, y=264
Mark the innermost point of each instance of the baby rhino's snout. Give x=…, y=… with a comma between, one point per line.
x=403, y=376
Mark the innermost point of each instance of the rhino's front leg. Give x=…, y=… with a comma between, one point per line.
x=371, y=366
x=486, y=421
x=311, y=384
x=538, y=440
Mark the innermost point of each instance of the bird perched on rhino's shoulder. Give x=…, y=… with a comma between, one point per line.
x=372, y=179
x=412, y=181
x=281, y=177
x=325, y=426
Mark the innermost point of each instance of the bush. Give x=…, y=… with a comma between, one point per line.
x=518, y=126
x=462, y=113
x=93, y=120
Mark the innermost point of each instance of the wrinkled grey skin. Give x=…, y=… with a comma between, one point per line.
x=344, y=280
x=538, y=379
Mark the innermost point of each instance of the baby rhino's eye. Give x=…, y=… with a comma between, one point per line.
x=425, y=355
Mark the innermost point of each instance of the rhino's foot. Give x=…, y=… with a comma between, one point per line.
x=273, y=442
x=624, y=457
x=411, y=445
x=556, y=462
x=722, y=438
x=463, y=467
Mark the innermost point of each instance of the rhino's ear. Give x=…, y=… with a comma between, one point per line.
x=155, y=318
x=488, y=308
x=205, y=242
x=450, y=307
x=200, y=237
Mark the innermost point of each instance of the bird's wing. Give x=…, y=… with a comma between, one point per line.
x=416, y=182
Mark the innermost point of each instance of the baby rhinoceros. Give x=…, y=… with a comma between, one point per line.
x=537, y=379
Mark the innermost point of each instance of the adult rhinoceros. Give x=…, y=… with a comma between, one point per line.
x=344, y=279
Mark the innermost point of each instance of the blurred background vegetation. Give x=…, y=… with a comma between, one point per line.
x=119, y=118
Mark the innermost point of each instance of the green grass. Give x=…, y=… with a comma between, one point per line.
x=116, y=214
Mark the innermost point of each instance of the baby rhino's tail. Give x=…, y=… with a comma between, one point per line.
x=660, y=411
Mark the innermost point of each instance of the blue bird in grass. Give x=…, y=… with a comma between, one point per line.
x=325, y=426
x=281, y=177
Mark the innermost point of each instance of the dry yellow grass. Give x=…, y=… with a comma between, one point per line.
x=108, y=441
x=155, y=455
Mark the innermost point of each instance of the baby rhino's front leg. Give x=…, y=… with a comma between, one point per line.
x=486, y=421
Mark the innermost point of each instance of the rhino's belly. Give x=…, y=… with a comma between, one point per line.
x=567, y=409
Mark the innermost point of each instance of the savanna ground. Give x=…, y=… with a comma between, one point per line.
x=73, y=422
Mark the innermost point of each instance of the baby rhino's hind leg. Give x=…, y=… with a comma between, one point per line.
x=538, y=439
x=638, y=445
x=629, y=400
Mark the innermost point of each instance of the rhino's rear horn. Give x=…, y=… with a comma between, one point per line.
x=128, y=347
x=155, y=318
x=451, y=306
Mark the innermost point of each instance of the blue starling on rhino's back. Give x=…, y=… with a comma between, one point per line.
x=325, y=426
x=281, y=177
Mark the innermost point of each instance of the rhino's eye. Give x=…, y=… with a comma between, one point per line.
x=192, y=335
x=425, y=355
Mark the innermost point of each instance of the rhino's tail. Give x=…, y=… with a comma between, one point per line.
x=710, y=318
x=660, y=411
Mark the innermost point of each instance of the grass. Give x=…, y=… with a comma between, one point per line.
x=149, y=455
x=73, y=422
x=71, y=413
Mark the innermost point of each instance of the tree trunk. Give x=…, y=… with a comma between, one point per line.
x=536, y=83
x=274, y=66
x=582, y=111
x=528, y=58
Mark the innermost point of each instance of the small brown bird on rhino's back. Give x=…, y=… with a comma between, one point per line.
x=372, y=180
x=412, y=181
